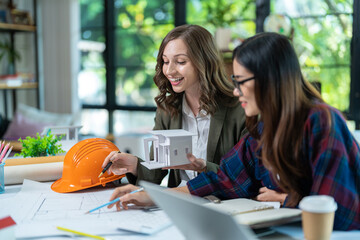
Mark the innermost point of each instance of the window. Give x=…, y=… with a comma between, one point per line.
x=127, y=40
x=91, y=80
x=139, y=29
x=322, y=36
x=120, y=40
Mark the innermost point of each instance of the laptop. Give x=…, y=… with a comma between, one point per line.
x=195, y=220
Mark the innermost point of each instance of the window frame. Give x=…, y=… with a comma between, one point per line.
x=354, y=108
x=262, y=11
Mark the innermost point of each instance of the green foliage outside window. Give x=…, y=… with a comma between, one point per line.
x=239, y=15
x=222, y=13
x=140, y=26
x=322, y=35
x=321, y=39
x=325, y=57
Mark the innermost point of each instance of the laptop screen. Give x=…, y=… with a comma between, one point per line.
x=195, y=220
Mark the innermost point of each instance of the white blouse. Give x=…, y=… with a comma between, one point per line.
x=199, y=125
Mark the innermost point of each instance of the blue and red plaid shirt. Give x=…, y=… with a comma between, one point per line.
x=334, y=158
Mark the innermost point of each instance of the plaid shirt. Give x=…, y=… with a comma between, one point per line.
x=334, y=158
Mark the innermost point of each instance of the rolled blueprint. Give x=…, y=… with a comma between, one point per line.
x=34, y=169
x=33, y=160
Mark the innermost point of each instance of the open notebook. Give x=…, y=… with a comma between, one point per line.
x=256, y=214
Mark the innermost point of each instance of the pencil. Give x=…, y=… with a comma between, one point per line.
x=80, y=233
x=114, y=201
x=106, y=167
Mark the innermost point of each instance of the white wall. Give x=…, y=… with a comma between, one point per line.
x=58, y=35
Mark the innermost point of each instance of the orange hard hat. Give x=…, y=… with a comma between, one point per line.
x=82, y=166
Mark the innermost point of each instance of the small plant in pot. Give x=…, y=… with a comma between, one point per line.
x=40, y=146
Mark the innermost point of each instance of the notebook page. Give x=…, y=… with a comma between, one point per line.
x=239, y=206
x=257, y=214
x=269, y=215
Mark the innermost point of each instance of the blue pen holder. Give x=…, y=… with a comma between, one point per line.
x=2, y=178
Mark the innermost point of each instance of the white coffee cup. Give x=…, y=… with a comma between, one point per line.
x=318, y=213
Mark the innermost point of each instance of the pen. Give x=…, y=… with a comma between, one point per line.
x=114, y=201
x=80, y=233
x=106, y=167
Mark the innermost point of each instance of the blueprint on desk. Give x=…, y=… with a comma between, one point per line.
x=38, y=210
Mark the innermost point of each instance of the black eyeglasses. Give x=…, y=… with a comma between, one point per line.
x=238, y=83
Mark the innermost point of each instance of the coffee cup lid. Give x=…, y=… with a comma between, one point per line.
x=318, y=204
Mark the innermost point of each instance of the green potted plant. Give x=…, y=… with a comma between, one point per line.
x=12, y=55
x=40, y=146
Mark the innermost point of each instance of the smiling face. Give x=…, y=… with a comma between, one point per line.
x=247, y=99
x=178, y=67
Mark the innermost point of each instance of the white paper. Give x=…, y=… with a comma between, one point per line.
x=239, y=206
x=38, y=210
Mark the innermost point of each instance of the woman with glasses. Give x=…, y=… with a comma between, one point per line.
x=195, y=95
x=296, y=142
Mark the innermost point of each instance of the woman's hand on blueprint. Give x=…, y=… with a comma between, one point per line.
x=121, y=163
x=196, y=164
x=139, y=198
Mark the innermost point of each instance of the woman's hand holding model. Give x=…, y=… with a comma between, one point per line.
x=196, y=164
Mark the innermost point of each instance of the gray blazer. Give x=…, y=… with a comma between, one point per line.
x=227, y=126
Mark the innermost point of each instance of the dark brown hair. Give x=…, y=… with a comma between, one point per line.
x=284, y=99
x=208, y=63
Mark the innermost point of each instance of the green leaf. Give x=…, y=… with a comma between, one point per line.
x=40, y=146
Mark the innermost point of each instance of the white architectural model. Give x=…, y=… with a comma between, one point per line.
x=170, y=148
x=70, y=135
